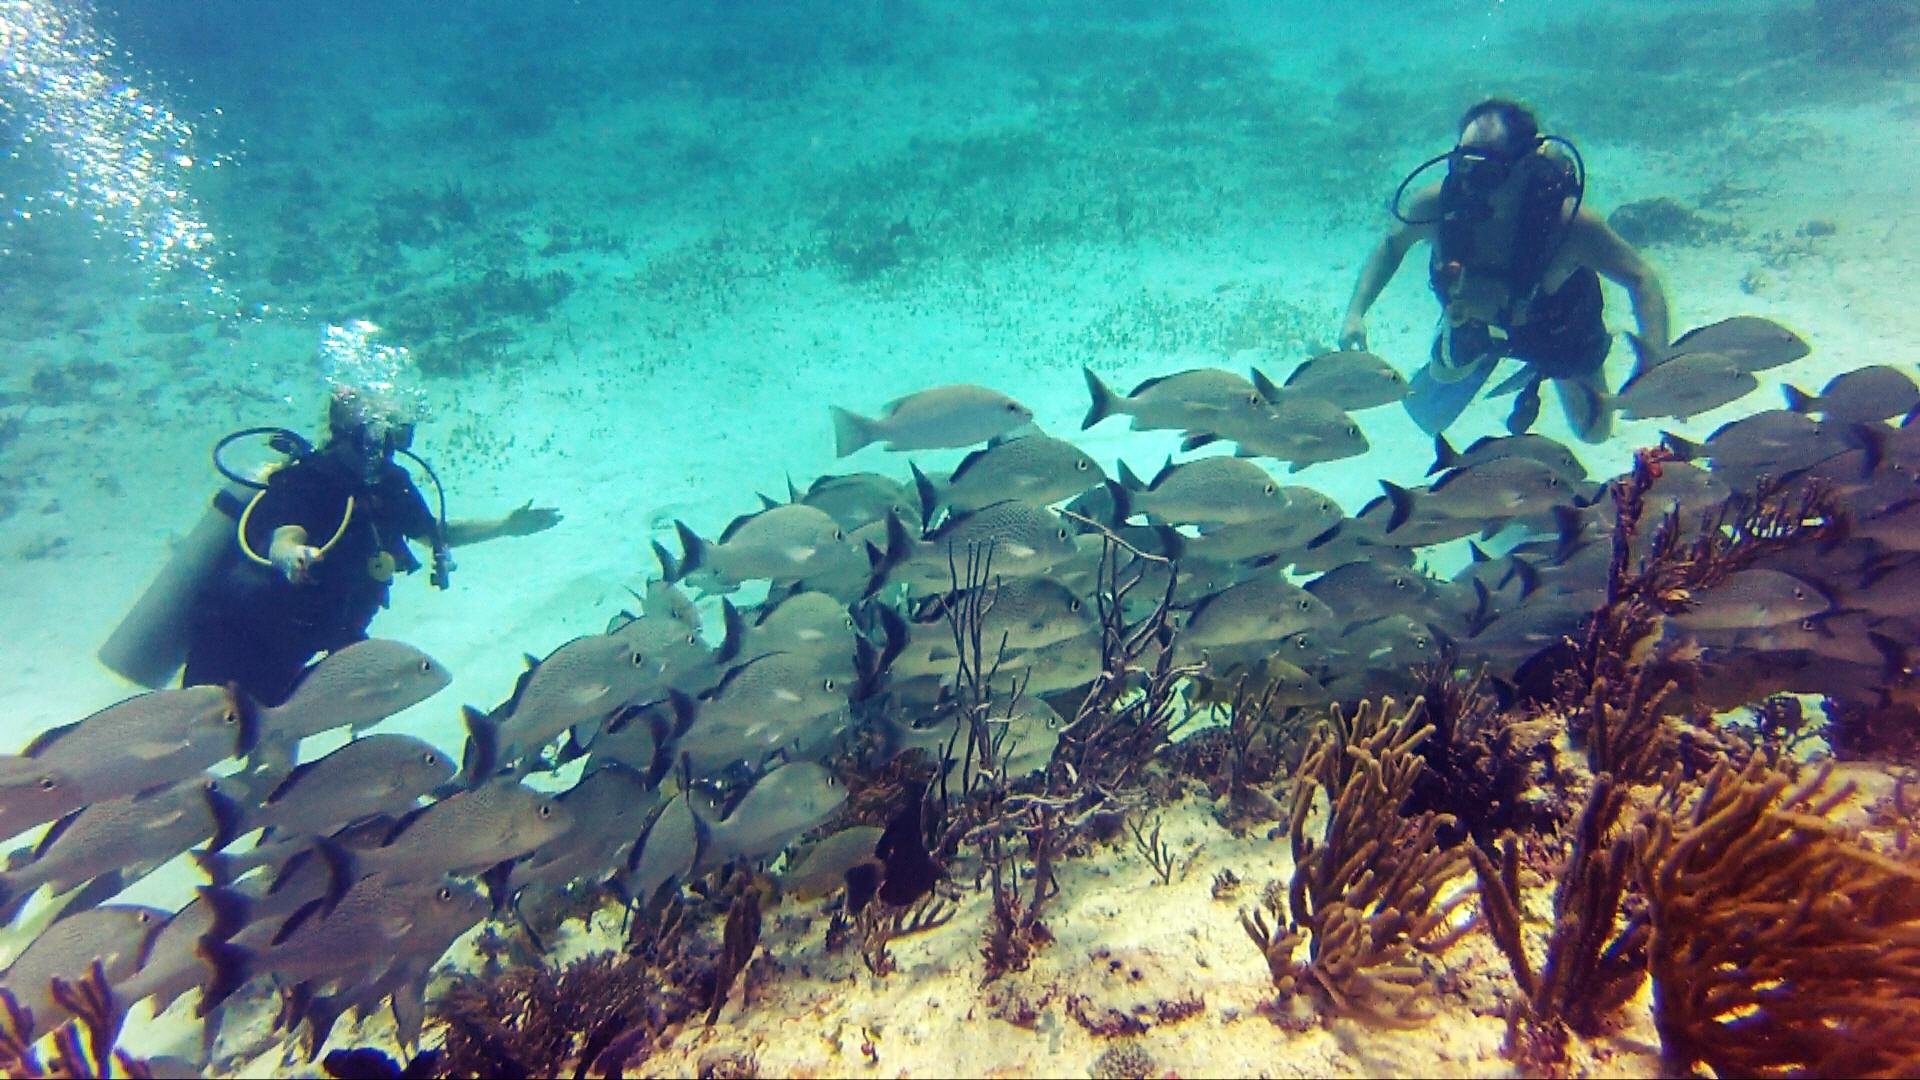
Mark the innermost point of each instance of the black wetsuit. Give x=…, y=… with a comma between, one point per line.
x=253, y=627
x=1559, y=335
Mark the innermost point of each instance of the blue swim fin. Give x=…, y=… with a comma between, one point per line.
x=1434, y=404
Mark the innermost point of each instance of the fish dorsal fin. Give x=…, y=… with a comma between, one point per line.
x=404, y=822
x=1266, y=387
x=1444, y=455
x=736, y=525
x=47, y=738
x=973, y=459
x=310, y=910
x=288, y=781
x=54, y=832
x=1160, y=477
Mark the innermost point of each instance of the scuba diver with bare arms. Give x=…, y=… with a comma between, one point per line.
x=1516, y=263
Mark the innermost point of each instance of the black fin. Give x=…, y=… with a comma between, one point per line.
x=231, y=911
x=736, y=628
x=482, y=758
x=1265, y=385
x=227, y=818
x=228, y=968
x=929, y=498
x=1444, y=455
x=1872, y=441
x=40, y=742
x=669, y=567
x=1402, y=502
x=320, y=1014
x=1121, y=496
x=1798, y=400
x=1103, y=400
x=1680, y=448
x=694, y=549
x=1130, y=480
x=1194, y=440
x=312, y=909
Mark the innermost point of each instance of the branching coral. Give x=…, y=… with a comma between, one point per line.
x=535, y=1021
x=1593, y=963
x=83, y=1047
x=1781, y=944
x=1367, y=892
x=1623, y=671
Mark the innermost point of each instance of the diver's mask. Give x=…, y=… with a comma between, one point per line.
x=1478, y=170
x=370, y=446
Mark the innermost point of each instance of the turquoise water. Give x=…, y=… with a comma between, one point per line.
x=637, y=249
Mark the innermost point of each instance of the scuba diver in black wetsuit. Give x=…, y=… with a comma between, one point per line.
x=1517, y=259
x=282, y=570
x=316, y=551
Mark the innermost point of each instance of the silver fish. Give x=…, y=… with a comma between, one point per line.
x=1024, y=541
x=779, y=807
x=758, y=707
x=806, y=623
x=115, y=935
x=1753, y=343
x=1264, y=608
x=579, y=684
x=1350, y=379
x=358, y=686
x=609, y=808
x=145, y=741
x=780, y=544
x=132, y=835
x=1301, y=431
x=667, y=852
x=941, y=417
x=466, y=831
x=823, y=870
x=1684, y=385
x=1548, y=452
x=1203, y=398
x=377, y=922
x=1038, y=469
x=374, y=774
x=1875, y=392
x=1750, y=599
x=1206, y=491
x=173, y=963
x=857, y=499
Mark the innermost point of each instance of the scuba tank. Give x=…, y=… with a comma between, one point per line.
x=150, y=644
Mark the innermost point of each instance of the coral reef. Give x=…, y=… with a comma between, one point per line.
x=1781, y=944
x=83, y=1047
x=1368, y=892
x=598, y=1013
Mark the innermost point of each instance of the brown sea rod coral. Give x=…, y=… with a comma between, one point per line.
x=1366, y=893
x=539, y=1021
x=1782, y=944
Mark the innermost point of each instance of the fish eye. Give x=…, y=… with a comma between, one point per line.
x=546, y=811
x=430, y=758
x=1353, y=429
x=230, y=717
x=1304, y=604
x=828, y=685
x=1080, y=466
x=1799, y=593
x=1061, y=533
x=426, y=666
x=1073, y=604
x=48, y=783
x=838, y=535
x=1268, y=490
x=693, y=639
x=1013, y=406
x=445, y=894
x=638, y=659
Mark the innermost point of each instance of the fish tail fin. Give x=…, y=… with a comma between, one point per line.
x=929, y=497
x=669, y=566
x=1681, y=449
x=694, y=549
x=851, y=431
x=1266, y=386
x=1402, y=502
x=1122, y=496
x=1872, y=441
x=1194, y=440
x=1798, y=400
x=321, y=1014
x=220, y=868
x=482, y=758
x=12, y=899
x=1103, y=400
x=1444, y=455
x=229, y=966
x=735, y=634
x=1172, y=543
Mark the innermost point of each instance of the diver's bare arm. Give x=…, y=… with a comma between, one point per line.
x=1602, y=249
x=1384, y=261
x=524, y=520
x=291, y=555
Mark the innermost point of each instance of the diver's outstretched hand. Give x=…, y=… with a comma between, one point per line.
x=527, y=519
x=1353, y=335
